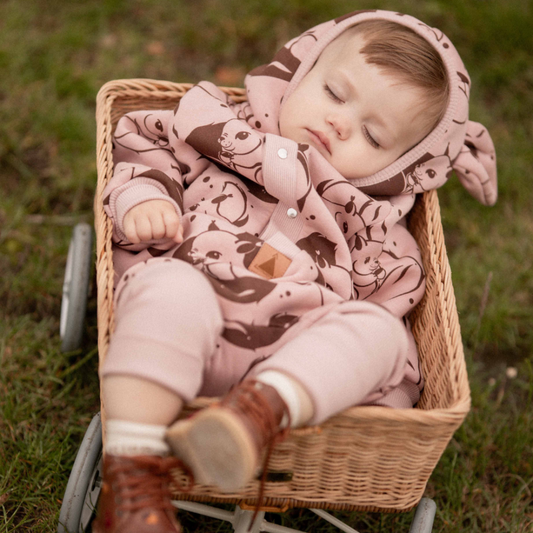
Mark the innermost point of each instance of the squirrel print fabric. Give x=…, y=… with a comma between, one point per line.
x=282, y=236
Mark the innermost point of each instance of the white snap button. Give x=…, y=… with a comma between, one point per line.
x=292, y=213
x=282, y=153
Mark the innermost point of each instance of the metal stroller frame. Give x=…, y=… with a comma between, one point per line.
x=83, y=490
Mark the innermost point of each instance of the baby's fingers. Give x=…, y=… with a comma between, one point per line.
x=143, y=228
x=152, y=220
x=130, y=230
x=157, y=222
x=178, y=237
x=173, y=227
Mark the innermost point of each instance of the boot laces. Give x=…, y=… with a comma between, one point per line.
x=251, y=402
x=254, y=405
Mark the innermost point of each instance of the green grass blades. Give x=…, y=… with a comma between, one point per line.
x=54, y=56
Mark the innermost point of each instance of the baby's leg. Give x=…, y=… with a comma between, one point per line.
x=138, y=412
x=167, y=325
x=223, y=443
x=167, y=321
x=332, y=365
x=350, y=353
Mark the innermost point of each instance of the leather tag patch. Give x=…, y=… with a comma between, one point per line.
x=269, y=263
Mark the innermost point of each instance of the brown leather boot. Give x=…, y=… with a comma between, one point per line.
x=222, y=444
x=135, y=496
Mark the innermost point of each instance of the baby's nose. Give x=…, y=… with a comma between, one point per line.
x=340, y=124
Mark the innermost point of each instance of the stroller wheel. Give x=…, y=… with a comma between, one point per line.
x=76, y=288
x=84, y=484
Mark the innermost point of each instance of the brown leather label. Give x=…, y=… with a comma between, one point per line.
x=269, y=263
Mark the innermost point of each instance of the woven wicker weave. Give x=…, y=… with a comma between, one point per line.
x=366, y=458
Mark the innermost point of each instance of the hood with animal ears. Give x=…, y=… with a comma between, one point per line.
x=457, y=143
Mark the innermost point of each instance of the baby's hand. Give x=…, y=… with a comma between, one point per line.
x=153, y=219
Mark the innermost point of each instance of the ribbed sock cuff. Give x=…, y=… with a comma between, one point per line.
x=288, y=393
x=132, y=438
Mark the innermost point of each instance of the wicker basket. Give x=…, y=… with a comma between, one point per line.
x=366, y=458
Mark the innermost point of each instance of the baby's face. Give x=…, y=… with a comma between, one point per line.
x=357, y=117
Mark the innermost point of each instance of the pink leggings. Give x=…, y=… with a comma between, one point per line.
x=168, y=324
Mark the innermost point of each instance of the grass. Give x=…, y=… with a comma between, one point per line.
x=53, y=59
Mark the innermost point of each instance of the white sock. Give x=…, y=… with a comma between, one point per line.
x=132, y=438
x=284, y=385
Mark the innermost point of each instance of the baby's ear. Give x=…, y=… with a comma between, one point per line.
x=475, y=165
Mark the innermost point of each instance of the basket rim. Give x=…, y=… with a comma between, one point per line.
x=113, y=87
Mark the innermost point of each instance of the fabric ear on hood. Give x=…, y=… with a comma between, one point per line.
x=475, y=165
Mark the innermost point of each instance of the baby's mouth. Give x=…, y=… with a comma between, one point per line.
x=320, y=139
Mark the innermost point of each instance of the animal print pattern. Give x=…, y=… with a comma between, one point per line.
x=218, y=163
x=465, y=144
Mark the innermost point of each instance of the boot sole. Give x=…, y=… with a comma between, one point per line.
x=217, y=448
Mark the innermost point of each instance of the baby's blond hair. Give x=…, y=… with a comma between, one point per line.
x=401, y=52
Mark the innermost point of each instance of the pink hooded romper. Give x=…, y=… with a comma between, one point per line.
x=285, y=264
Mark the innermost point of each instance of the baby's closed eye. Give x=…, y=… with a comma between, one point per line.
x=332, y=95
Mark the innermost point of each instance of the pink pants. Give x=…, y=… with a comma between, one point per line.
x=168, y=324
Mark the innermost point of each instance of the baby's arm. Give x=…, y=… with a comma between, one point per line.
x=144, y=198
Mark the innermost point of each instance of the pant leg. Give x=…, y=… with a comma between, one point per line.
x=355, y=353
x=167, y=323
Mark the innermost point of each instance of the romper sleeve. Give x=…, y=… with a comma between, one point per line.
x=149, y=164
x=209, y=121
